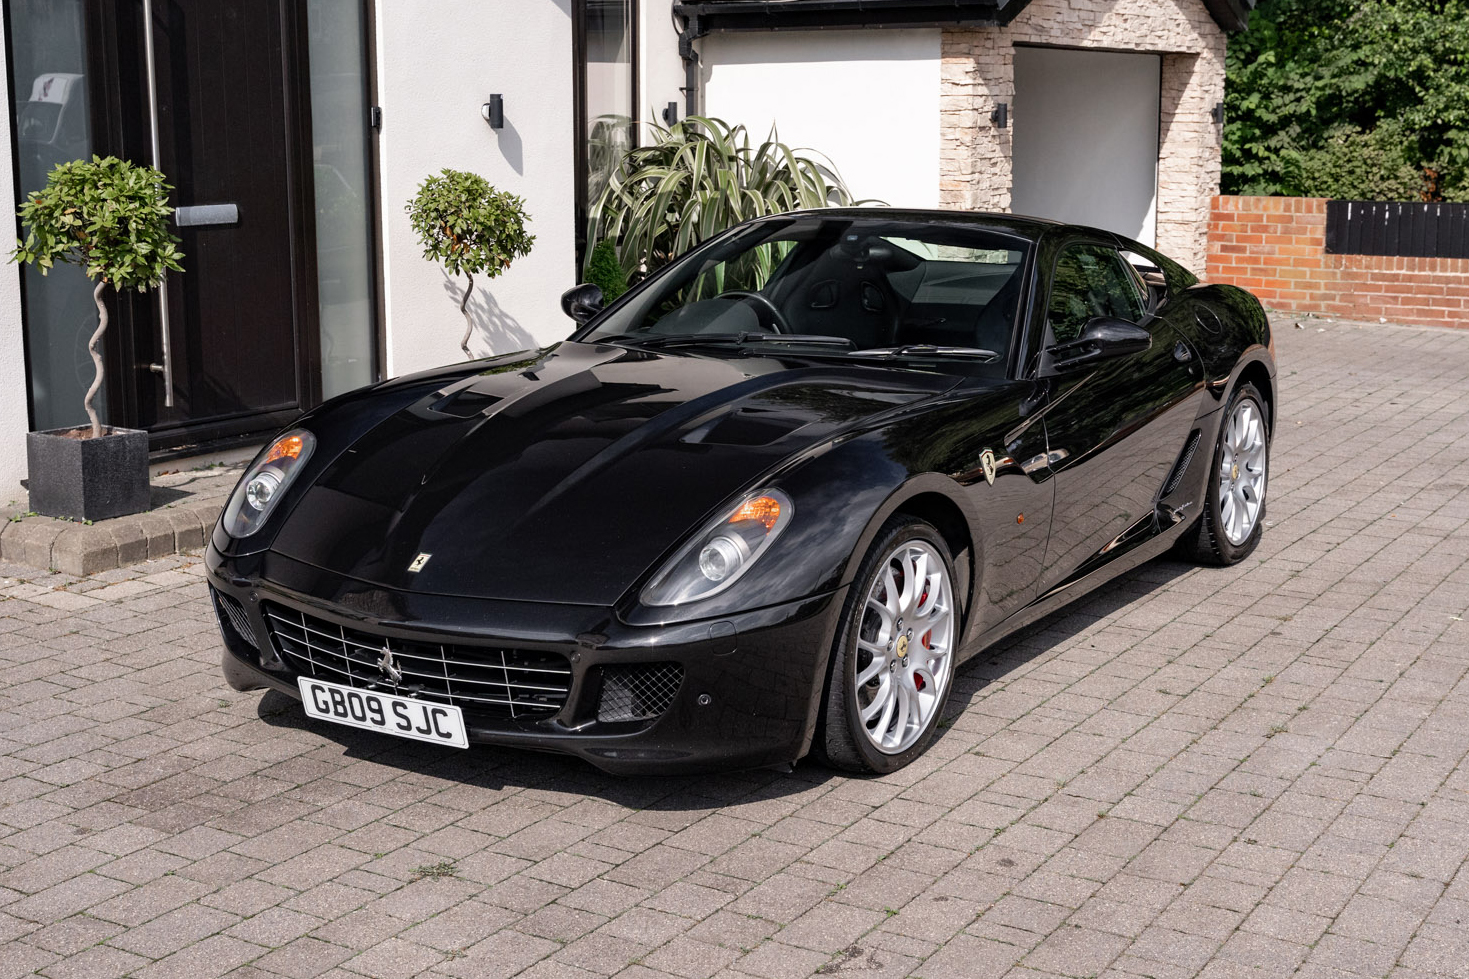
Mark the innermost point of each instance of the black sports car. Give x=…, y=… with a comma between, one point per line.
x=763, y=505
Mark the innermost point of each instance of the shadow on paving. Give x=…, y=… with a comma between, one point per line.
x=495, y=768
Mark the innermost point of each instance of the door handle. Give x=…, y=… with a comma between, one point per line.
x=167, y=365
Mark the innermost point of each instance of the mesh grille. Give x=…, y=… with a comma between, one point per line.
x=1181, y=466
x=638, y=692
x=232, y=612
x=485, y=681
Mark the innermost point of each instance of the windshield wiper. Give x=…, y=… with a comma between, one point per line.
x=678, y=339
x=926, y=350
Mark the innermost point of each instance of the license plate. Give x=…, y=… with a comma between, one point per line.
x=421, y=720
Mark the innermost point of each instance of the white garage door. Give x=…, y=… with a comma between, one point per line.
x=1086, y=138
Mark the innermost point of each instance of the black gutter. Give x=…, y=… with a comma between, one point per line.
x=1232, y=15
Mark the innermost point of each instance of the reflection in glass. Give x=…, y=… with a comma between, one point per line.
x=339, y=136
x=48, y=75
x=608, y=89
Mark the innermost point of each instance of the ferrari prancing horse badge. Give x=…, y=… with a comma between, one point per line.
x=987, y=463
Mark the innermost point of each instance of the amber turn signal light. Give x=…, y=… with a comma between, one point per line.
x=765, y=509
x=287, y=448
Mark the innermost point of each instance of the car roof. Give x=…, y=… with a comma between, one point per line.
x=1015, y=224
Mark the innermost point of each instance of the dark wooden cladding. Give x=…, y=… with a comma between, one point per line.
x=1396, y=228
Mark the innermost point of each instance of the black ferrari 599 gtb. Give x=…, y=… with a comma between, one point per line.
x=764, y=505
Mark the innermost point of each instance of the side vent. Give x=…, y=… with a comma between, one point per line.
x=1181, y=466
x=638, y=692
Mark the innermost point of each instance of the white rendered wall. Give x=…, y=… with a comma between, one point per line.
x=869, y=100
x=660, y=69
x=1086, y=138
x=14, y=406
x=434, y=72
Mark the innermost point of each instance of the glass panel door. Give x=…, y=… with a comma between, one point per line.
x=342, y=170
x=48, y=69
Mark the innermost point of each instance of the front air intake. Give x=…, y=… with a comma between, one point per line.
x=232, y=614
x=638, y=692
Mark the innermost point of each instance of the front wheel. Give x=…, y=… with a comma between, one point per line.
x=1234, y=507
x=893, y=661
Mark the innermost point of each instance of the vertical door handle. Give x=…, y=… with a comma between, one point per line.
x=153, y=135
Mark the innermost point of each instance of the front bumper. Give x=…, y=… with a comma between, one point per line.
x=748, y=695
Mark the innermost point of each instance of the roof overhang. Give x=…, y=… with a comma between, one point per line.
x=711, y=16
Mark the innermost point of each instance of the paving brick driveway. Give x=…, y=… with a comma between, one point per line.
x=1194, y=772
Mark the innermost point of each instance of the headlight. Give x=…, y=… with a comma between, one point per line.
x=722, y=551
x=265, y=482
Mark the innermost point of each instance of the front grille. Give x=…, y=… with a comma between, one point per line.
x=638, y=692
x=233, y=613
x=485, y=681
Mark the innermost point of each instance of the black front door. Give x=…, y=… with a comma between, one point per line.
x=1117, y=429
x=228, y=92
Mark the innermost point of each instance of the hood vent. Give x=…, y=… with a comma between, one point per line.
x=747, y=426
x=466, y=403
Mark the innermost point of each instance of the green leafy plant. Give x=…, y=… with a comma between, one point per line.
x=696, y=178
x=110, y=217
x=605, y=271
x=1356, y=99
x=470, y=228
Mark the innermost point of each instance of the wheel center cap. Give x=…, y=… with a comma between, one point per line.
x=902, y=650
x=1234, y=472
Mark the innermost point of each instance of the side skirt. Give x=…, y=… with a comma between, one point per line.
x=1140, y=553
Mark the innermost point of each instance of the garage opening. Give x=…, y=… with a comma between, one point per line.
x=1086, y=138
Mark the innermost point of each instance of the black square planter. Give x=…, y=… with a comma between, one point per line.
x=88, y=479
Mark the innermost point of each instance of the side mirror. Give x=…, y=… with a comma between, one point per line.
x=1102, y=338
x=582, y=302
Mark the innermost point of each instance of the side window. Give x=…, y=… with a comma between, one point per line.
x=1090, y=280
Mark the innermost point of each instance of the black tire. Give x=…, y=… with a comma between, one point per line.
x=1206, y=541
x=840, y=740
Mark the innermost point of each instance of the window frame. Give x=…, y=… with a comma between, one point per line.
x=581, y=136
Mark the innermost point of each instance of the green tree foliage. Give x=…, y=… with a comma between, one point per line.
x=696, y=178
x=110, y=217
x=470, y=228
x=605, y=272
x=1361, y=99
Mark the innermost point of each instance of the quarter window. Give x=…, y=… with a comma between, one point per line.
x=1090, y=280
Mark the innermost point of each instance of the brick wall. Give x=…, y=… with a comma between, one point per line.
x=1276, y=248
x=979, y=71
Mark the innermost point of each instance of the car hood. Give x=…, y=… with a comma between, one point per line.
x=562, y=475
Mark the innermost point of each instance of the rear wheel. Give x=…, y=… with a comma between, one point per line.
x=893, y=661
x=1234, y=507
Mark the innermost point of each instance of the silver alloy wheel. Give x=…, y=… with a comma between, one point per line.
x=1242, y=471
x=905, y=647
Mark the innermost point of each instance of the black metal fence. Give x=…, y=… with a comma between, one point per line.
x=1394, y=228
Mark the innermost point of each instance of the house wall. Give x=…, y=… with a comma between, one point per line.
x=867, y=100
x=978, y=72
x=434, y=72
x=1276, y=248
x=14, y=400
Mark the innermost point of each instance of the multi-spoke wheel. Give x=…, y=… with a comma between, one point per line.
x=894, y=654
x=1234, y=509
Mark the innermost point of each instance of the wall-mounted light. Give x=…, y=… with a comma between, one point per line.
x=670, y=113
x=1001, y=115
x=494, y=112
x=1217, y=113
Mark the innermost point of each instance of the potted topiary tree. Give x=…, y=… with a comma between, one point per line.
x=469, y=227
x=111, y=218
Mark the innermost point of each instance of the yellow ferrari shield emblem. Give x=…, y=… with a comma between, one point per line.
x=902, y=647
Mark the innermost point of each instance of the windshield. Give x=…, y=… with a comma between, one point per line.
x=839, y=285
